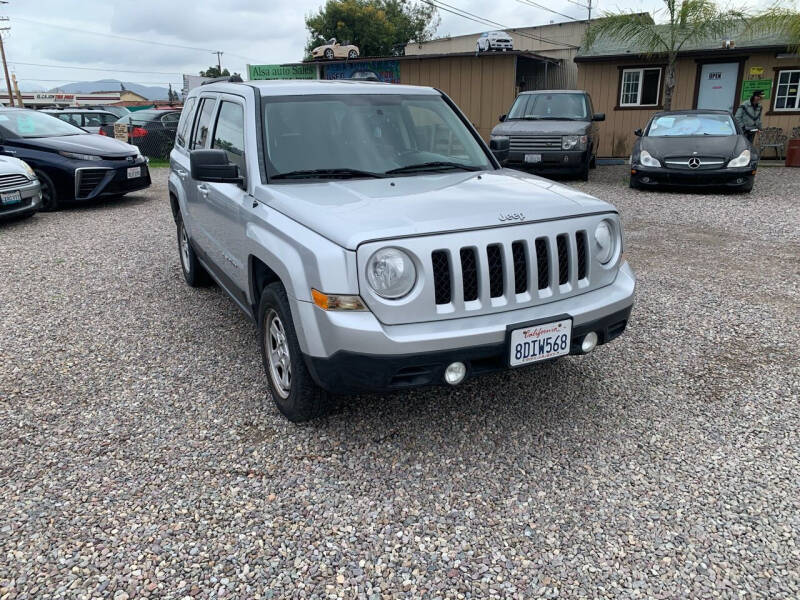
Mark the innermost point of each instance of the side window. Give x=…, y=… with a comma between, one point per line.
x=93, y=120
x=108, y=119
x=170, y=119
x=185, y=121
x=73, y=118
x=200, y=134
x=229, y=133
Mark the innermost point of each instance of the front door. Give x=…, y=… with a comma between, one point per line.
x=718, y=86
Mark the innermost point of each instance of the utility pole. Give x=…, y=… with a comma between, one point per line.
x=16, y=90
x=219, y=59
x=5, y=66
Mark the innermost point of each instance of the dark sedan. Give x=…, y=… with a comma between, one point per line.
x=152, y=131
x=698, y=148
x=70, y=163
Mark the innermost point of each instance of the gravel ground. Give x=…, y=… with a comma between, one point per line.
x=141, y=457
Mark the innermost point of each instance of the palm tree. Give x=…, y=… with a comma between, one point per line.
x=689, y=21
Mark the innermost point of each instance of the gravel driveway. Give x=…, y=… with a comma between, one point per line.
x=141, y=457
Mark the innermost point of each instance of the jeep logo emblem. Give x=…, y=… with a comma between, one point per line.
x=512, y=217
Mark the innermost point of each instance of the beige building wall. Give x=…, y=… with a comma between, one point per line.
x=484, y=88
x=601, y=80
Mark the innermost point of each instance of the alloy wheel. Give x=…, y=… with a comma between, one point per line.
x=277, y=351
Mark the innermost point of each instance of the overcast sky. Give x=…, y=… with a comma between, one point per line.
x=247, y=31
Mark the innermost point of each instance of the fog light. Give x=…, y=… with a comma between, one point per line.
x=589, y=342
x=645, y=180
x=739, y=180
x=455, y=373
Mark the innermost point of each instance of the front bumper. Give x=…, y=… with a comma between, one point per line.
x=707, y=178
x=554, y=160
x=331, y=339
x=31, y=199
x=501, y=46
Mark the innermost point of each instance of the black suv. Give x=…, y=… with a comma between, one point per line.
x=551, y=131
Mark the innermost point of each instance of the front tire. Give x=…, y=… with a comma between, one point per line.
x=295, y=393
x=352, y=54
x=193, y=272
x=329, y=54
x=583, y=174
x=50, y=200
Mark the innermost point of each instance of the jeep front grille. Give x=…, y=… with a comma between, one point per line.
x=496, y=269
x=483, y=271
x=529, y=143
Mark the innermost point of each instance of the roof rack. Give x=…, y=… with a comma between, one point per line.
x=228, y=78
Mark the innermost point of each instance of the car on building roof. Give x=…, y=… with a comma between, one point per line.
x=333, y=49
x=71, y=164
x=494, y=40
x=693, y=148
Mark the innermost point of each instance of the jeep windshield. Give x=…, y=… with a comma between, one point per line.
x=562, y=107
x=353, y=136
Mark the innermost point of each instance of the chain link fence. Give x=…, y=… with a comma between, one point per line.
x=152, y=131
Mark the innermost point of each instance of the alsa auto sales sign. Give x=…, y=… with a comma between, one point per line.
x=282, y=71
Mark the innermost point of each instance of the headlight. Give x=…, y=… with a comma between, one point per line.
x=77, y=156
x=742, y=160
x=28, y=169
x=648, y=161
x=604, y=241
x=391, y=273
x=573, y=142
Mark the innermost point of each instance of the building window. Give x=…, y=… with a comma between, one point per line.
x=786, y=94
x=640, y=87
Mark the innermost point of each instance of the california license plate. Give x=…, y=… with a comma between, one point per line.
x=134, y=172
x=10, y=198
x=533, y=158
x=540, y=342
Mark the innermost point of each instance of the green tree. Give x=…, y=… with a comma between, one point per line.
x=687, y=21
x=213, y=71
x=377, y=27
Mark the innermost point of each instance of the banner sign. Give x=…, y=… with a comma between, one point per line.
x=751, y=85
x=387, y=71
x=281, y=72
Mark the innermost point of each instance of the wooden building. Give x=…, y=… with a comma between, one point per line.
x=717, y=74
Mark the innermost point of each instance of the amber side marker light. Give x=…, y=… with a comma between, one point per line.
x=337, y=301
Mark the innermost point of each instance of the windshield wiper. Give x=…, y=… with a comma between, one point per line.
x=326, y=173
x=433, y=166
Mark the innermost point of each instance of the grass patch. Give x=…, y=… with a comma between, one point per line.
x=158, y=162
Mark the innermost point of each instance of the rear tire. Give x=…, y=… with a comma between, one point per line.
x=295, y=393
x=50, y=201
x=352, y=54
x=329, y=54
x=193, y=272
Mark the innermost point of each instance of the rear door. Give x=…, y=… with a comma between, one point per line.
x=197, y=191
x=225, y=202
x=179, y=159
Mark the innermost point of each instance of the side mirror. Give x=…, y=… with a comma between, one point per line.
x=502, y=118
x=213, y=166
x=599, y=117
x=638, y=132
x=500, y=147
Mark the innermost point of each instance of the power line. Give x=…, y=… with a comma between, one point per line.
x=139, y=82
x=555, y=12
x=17, y=62
x=484, y=21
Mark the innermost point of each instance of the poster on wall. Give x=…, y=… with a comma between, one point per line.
x=281, y=72
x=387, y=71
x=751, y=85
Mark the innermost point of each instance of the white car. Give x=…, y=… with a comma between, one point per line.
x=20, y=192
x=494, y=40
x=333, y=49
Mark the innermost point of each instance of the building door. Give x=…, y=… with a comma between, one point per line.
x=718, y=86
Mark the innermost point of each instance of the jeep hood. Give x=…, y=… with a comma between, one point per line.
x=351, y=212
x=541, y=127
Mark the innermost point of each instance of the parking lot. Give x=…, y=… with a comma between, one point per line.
x=140, y=455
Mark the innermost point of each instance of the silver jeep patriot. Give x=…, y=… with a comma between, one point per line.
x=377, y=243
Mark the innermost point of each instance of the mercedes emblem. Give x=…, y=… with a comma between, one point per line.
x=694, y=162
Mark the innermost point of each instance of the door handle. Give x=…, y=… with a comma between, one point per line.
x=203, y=189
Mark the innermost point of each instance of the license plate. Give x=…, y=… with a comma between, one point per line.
x=10, y=198
x=533, y=158
x=540, y=342
x=134, y=172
